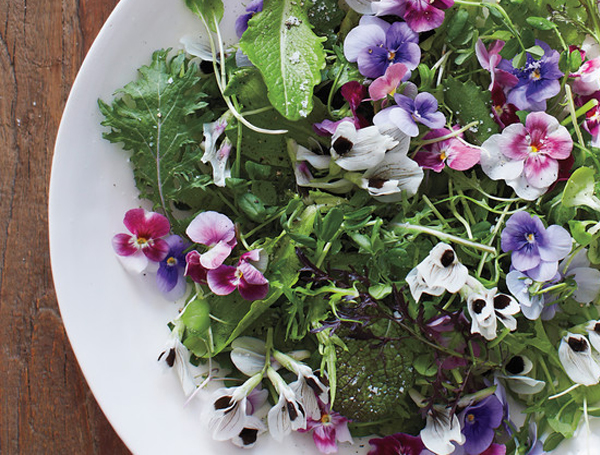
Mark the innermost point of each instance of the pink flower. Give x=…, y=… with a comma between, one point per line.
x=331, y=427
x=217, y=232
x=421, y=15
x=489, y=60
x=398, y=443
x=388, y=83
x=145, y=242
x=246, y=277
x=527, y=156
x=592, y=125
x=194, y=269
x=504, y=113
x=587, y=78
x=454, y=152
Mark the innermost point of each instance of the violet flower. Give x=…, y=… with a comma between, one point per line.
x=408, y=112
x=538, y=80
x=454, y=152
x=217, y=232
x=241, y=23
x=375, y=44
x=531, y=305
x=535, y=249
x=145, y=242
x=246, y=277
x=328, y=429
x=504, y=113
x=586, y=278
x=526, y=156
x=194, y=269
x=479, y=422
x=398, y=443
x=170, y=275
x=489, y=59
x=420, y=15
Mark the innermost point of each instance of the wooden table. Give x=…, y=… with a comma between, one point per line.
x=45, y=404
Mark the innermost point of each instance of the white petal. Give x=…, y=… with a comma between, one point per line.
x=524, y=190
x=438, y=433
x=361, y=6
x=134, y=263
x=495, y=164
x=580, y=366
x=316, y=161
x=523, y=385
x=594, y=335
x=588, y=284
x=197, y=46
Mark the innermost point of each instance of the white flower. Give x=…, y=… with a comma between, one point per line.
x=217, y=157
x=593, y=329
x=439, y=270
x=229, y=412
x=248, y=355
x=517, y=368
x=440, y=430
x=576, y=357
x=253, y=427
x=586, y=277
x=288, y=414
x=483, y=318
x=357, y=150
x=177, y=356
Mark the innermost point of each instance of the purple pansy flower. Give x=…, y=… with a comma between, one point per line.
x=246, y=277
x=538, y=80
x=217, y=232
x=328, y=429
x=527, y=156
x=454, y=152
x=408, y=112
x=145, y=242
x=420, y=15
x=241, y=23
x=375, y=44
x=535, y=249
x=169, y=276
x=479, y=422
x=489, y=59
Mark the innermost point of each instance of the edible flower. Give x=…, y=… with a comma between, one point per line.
x=327, y=429
x=397, y=443
x=576, y=357
x=387, y=84
x=527, y=156
x=376, y=44
x=217, y=232
x=441, y=429
x=517, y=369
x=170, y=274
x=288, y=413
x=535, y=250
x=587, y=78
x=486, y=307
x=144, y=243
x=247, y=277
x=479, y=422
x=454, y=152
x=420, y=15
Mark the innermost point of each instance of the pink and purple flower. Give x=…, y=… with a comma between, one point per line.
x=375, y=44
x=398, y=443
x=145, y=242
x=454, y=152
x=247, y=277
x=328, y=430
x=420, y=15
x=527, y=156
x=386, y=85
x=587, y=78
x=217, y=232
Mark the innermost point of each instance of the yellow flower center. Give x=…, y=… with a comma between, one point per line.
x=443, y=155
x=141, y=241
x=391, y=55
x=535, y=75
x=470, y=417
x=530, y=238
x=325, y=419
x=171, y=261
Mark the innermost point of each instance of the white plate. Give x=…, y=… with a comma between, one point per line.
x=116, y=322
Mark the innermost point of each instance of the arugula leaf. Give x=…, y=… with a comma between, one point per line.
x=210, y=11
x=281, y=44
x=155, y=117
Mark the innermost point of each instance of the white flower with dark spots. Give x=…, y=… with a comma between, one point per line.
x=288, y=413
x=593, y=329
x=516, y=371
x=441, y=429
x=576, y=357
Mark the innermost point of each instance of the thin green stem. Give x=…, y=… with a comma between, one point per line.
x=448, y=237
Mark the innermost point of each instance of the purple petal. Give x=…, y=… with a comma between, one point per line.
x=545, y=271
x=253, y=292
x=373, y=61
x=251, y=275
x=430, y=159
x=156, y=250
x=362, y=37
x=210, y=228
x=540, y=170
x=404, y=121
x=124, y=244
x=421, y=16
x=399, y=33
x=434, y=120
x=557, y=243
x=194, y=269
x=324, y=438
x=222, y=280
x=148, y=225
x=425, y=103
x=409, y=54
x=166, y=277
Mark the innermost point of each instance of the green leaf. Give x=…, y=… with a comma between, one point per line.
x=575, y=60
x=553, y=441
x=470, y=103
x=196, y=315
x=519, y=60
x=154, y=118
x=331, y=223
x=536, y=51
x=540, y=23
x=456, y=24
x=252, y=206
x=281, y=44
x=210, y=11
x=510, y=49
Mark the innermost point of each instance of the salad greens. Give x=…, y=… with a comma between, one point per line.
x=382, y=217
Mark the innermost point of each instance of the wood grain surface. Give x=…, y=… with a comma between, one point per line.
x=45, y=404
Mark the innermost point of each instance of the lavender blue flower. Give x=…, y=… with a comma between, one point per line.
x=535, y=249
x=375, y=44
x=538, y=80
x=408, y=112
x=479, y=422
x=169, y=277
x=241, y=24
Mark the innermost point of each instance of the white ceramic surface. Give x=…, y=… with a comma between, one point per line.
x=116, y=322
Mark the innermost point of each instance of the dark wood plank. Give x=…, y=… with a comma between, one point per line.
x=45, y=404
